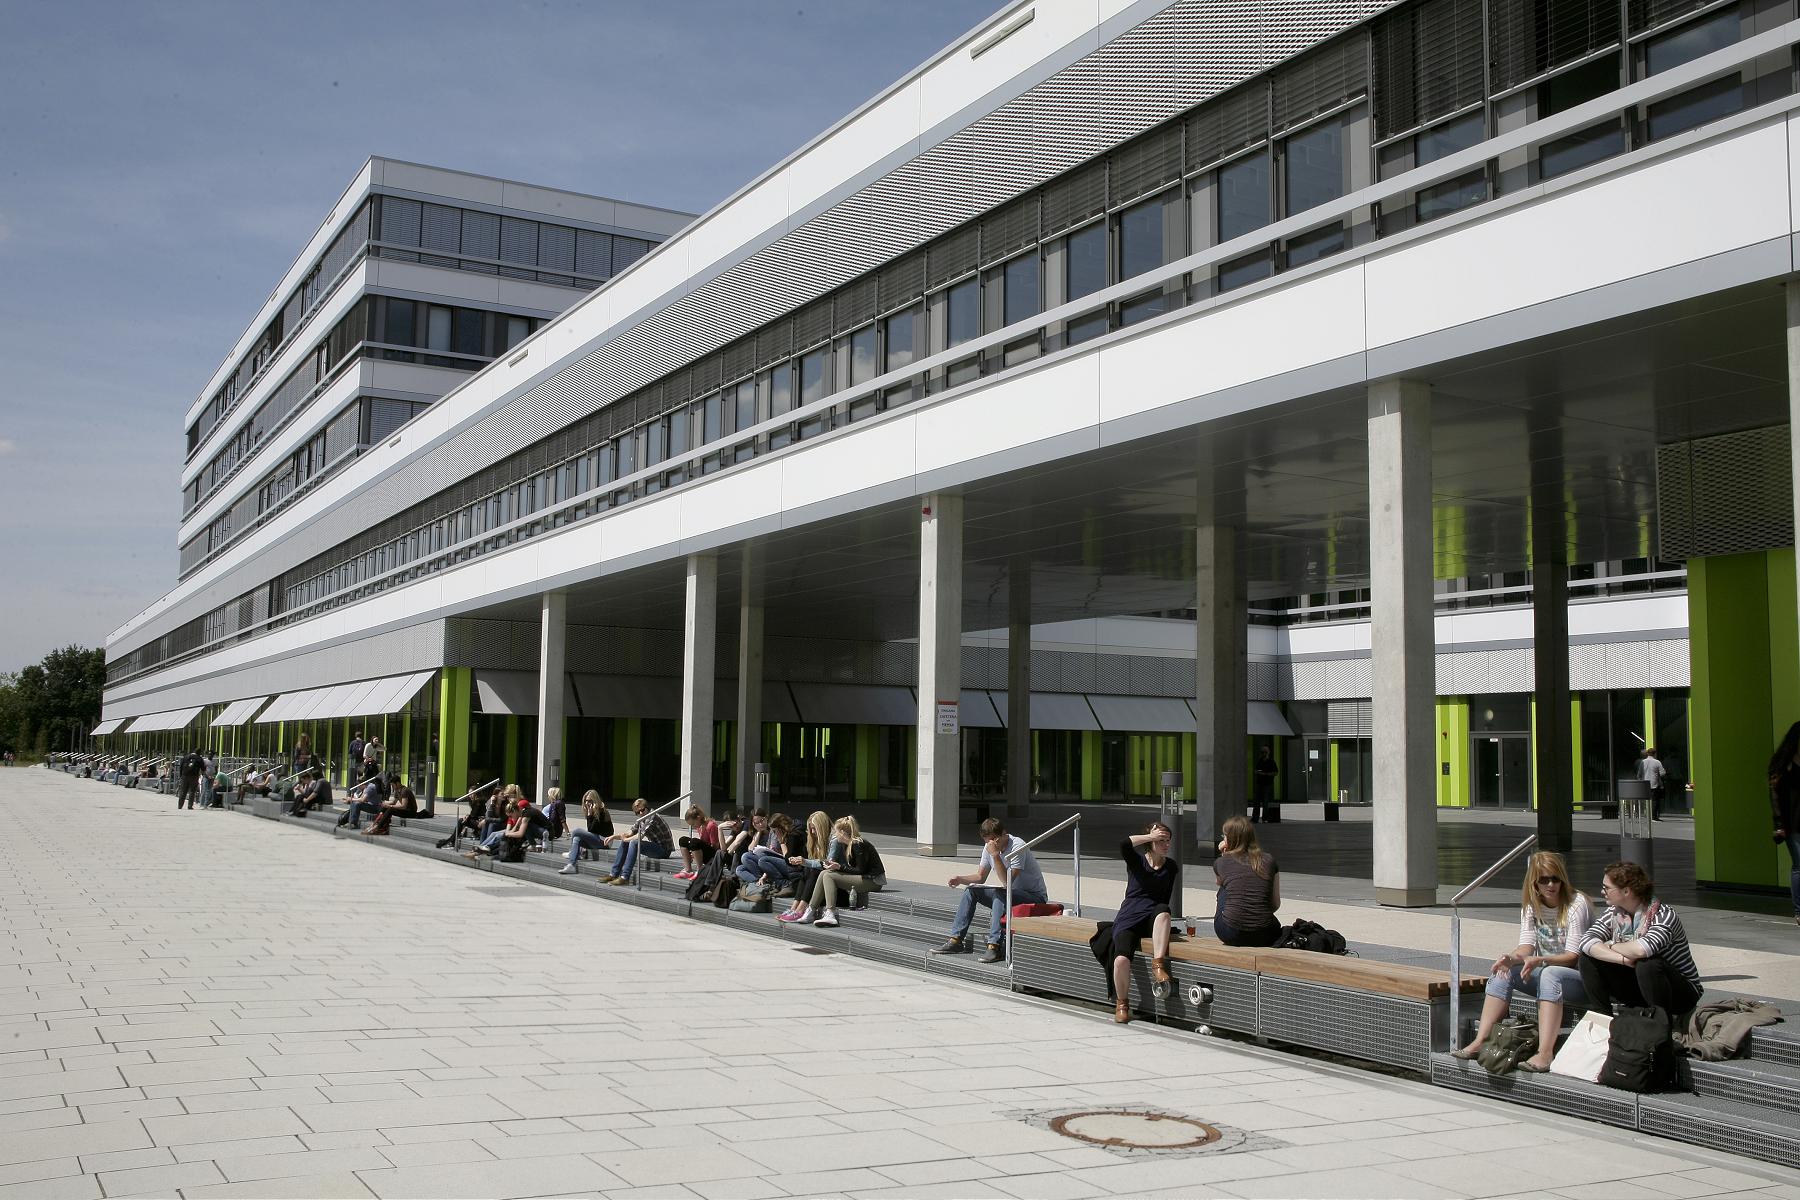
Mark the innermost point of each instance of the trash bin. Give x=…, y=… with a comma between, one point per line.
x=1636, y=844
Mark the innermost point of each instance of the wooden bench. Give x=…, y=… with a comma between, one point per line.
x=1394, y=1013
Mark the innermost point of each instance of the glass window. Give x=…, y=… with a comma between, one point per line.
x=1589, y=145
x=862, y=354
x=1694, y=40
x=1086, y=258
x=466, y=339
x=1708, y=102
x=812, y=376
x=1244, y=270
x=399, y=329
x=1314, y=161
x=437, y=328
x=1143, y=308
x=746, y=405
x=899, y=329
x=1141, y=239
x=1441, y=141
x=1315, y=245
x=1021, y=294
x=711, y=410
x=963, y=317
x=781, y=389
x=517, y=329
x=1243, y=196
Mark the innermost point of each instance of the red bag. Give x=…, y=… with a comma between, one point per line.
x=1052, y=909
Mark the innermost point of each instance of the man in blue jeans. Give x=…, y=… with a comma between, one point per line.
x=1027, y=888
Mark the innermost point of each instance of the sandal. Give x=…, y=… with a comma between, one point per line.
x=1466, y=1054
x=1122, y=1012
x=1159, y=970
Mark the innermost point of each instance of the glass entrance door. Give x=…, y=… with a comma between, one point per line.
x=1501, y=766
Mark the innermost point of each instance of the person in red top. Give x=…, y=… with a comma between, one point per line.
x=698, y=848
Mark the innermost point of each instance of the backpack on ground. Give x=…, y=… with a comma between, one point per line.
x=706, y=882
x=1640, y=1054
x=1512, y=1042
x=1310, y=935
x=727, y=891
x=752, y=900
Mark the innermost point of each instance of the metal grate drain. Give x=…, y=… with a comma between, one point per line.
x=1123, y=1129
x=813, y=950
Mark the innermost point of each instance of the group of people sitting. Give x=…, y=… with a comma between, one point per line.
x=1635, y=952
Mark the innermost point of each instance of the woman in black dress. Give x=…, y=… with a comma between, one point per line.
x=1153, y=878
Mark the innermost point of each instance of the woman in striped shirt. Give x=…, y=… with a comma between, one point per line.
x=1637, y=953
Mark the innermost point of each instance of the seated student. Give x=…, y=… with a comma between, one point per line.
x=649, y=837
x=1249, y=888
x=513, y=831
x=1152, y=879
x=555, y=823
x=312, y=793
x=367, y=797
x=730, y=821
x=1553, y=919
x=260, y=783
x=401, y=803
x=752, y=834
x=471, y=821
x=701, y=843
x=1637, y=952
x=780, y=865
x=1028, y=888
x=820, y=846
x=597, y=835
x=860, y=871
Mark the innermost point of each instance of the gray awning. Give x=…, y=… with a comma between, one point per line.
x=238, y=712
x=1266, y=720
x=163, y=722
x=855, y=704
x=651, y=696
x=1057, y=710
x=977, y=710
x=1141, y=714
x=515, y=693
x=777, y=704
x=106, y=727
x=390, y=695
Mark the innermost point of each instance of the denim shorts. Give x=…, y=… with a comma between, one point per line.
x=1558, y=985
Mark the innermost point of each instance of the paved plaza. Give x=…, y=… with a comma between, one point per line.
x=203, y=1004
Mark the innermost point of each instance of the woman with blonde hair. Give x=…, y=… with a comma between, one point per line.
x=1249, y=888
x=1553, y=917
x=858, y=870
x=819, y=848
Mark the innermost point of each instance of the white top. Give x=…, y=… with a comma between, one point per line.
x=1565, y=936
x=1650, y=770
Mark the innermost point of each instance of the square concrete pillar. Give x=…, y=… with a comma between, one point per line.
x=552, y=640
x=1793, y=365
x=1402, y=643
x=1221, y=686
x=1553, y=743
x=749, y=680
x=1018, y=688
x=699, y=639
x=940, y=672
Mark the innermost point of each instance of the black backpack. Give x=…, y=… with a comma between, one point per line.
x=1640, y=1054
x=707, y=881
x=1309, y=935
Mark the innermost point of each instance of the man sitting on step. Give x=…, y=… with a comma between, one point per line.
x=1027, y=885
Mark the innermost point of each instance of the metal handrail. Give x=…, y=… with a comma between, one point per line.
x=637, y=865
x=1011, y=855
x=1456, y=935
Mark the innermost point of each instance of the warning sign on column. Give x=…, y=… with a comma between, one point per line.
x=946, y=716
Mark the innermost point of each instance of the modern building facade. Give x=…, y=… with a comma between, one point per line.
x=1119, y=388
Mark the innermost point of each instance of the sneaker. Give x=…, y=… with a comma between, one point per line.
x=995, y=954
x=953, y=946
x=792, y=914
x=682, y=875
x=827, y=919
x=568, y=870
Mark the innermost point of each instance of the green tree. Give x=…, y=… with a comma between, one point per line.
x=47, y=703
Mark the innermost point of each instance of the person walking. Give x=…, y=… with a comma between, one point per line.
x=1784, y=800
x=192, y=764
x=1262, y=795
x=1650, y=770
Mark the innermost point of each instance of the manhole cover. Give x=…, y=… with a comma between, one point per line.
x=1135, y=1130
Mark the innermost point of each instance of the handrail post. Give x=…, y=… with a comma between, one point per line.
x=1078, y=868
x=1455, y=977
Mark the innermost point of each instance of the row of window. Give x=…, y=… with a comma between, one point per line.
x=488, y=243
x=1036, y=252
x=467, y=337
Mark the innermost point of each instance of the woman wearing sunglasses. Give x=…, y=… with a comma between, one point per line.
x=1544, y=964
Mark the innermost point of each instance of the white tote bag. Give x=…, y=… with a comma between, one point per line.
x=1584, y=1053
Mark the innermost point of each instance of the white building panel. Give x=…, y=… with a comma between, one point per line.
x=1009, y=413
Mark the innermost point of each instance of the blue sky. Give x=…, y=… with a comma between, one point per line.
x=163, y=163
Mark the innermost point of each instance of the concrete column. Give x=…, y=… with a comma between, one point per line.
x=1221, y=684
x=697, y=679
x=940, y=671
x=749, y=679
x=552, y=640
x=1018, y=688
x=1402, y=642
x=1553, y=747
